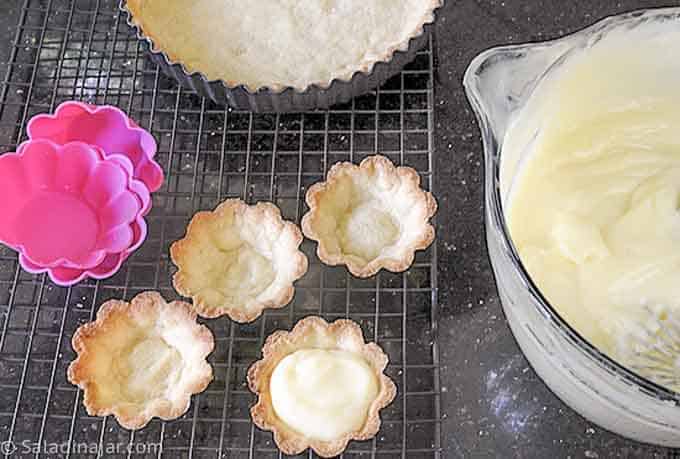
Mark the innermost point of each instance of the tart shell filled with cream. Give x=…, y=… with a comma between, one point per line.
x=370, y=216
x=238, y=260
x=141, y=360
x=320, y=386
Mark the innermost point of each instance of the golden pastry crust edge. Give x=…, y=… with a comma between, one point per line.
x=78, y=375
x=406, y=174
x=280, y=344
x=135, y=8
x=264, y=211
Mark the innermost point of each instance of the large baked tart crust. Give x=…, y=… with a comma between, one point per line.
x=280, y=44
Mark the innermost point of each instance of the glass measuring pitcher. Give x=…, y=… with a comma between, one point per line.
x=499, y=83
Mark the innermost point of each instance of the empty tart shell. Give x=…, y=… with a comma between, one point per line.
x=238, y=260
x=370, y=216
x=160, y=25
x=314, y=333
x=141, y=360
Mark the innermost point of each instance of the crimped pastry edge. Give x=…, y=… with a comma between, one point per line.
x=264, y=211
x=384, y=166
x=146, y=302
x=283, y=98
x=282, y=343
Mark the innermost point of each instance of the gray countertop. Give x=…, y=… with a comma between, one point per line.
x=495, y=405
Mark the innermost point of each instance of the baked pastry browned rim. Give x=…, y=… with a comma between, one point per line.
x=254, y=226
x=346, y=335
x=339, y=89
x=405, y=182
x=96, y=341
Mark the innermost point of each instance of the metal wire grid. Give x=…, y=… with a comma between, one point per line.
x=74, y=49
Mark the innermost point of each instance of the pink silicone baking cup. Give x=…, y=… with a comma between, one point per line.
x=69, y=208
x=137, y=186
x=66, y=276
x=108, y=267
x=106, y=127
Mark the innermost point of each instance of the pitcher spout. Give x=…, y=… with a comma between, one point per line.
x=499, y=81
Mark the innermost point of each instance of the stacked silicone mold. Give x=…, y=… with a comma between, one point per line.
x=74, y=196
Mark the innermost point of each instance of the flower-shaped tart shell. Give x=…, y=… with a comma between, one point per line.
x=108, y=267
x=370, y=216
x=238, y=260
x=141, y=360
x=315, y=333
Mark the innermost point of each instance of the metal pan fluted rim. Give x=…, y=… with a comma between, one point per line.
x=289, y=99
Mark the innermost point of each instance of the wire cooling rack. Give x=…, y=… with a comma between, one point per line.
x=73, y=49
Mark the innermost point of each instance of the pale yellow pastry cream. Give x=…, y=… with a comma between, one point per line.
x=323, y=394
x=591, y=179
x=320, y=386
